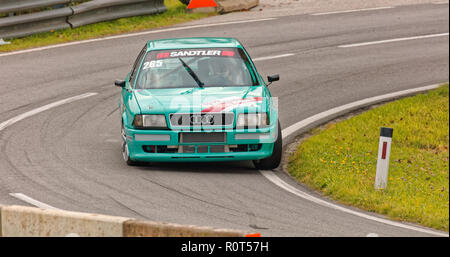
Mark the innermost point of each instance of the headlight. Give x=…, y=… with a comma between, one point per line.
x=149, y=121
x=252, y=120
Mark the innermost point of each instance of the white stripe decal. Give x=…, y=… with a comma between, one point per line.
x=25, y=115
x=355, y=10
x=393, y=40
x=32, y=201
x=271, y=176
x=133, y=35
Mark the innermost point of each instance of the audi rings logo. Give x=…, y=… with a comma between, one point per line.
x=207, y=119
x=201, y=119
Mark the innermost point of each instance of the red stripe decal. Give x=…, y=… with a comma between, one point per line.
x=162, y=55
x=383, y=154
x=219, y=105
x=227, y=53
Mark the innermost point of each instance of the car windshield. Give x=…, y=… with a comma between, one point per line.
x=212, y=67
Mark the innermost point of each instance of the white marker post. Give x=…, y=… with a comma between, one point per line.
x=384, y=151
x=2, y=42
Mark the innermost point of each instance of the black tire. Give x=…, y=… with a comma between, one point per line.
x=274, y=160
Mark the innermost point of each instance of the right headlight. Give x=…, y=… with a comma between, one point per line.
x=252, y=120
x=150, y=121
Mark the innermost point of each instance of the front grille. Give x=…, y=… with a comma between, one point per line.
x=202, y=137
x=201, y=119
x=201, y=148
x=217, y=149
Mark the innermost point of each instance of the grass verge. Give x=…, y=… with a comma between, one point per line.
x=340, y=160
x=175, y=14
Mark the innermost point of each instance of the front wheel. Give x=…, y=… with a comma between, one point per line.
x=274, y=160
x=125, y=150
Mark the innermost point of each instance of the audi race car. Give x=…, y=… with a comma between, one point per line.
x=198, y=99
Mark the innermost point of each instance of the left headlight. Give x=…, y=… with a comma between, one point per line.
x=252, y=120
x=150, y=121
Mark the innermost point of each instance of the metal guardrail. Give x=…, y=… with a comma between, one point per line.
x=68, y=16
x=103, y=10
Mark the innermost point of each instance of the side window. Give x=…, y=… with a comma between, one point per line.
x=136, y=65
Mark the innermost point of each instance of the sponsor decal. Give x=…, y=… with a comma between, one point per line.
x=228, y=104
x=189, y=53
x=196, y=53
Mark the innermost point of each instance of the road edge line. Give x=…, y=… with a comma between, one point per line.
x=315, y=120
x=32, y=201
x=35, y=111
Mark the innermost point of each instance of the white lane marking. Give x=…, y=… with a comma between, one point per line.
x=354, y=10
x=394, y=40
x=32, y=201
x=440, y=3
x=271, y=176
x=303, y=123
x=25, y=115
x=133, y=35
x=372, y=235
x=272, y=57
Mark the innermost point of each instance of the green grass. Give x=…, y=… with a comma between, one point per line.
x=175, y=14
x=340, y=160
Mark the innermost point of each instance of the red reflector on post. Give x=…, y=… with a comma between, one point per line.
x=383, y=153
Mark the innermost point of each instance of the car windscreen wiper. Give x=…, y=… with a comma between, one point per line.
x=192, y=73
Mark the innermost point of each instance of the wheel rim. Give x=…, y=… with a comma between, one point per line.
x=125, y=153
x=122, y=131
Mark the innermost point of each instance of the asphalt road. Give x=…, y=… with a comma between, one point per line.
x=70, y=156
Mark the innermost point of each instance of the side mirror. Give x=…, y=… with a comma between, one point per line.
x=273, y=78
x=120, y=83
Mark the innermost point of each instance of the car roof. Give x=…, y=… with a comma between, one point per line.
x=192, y=42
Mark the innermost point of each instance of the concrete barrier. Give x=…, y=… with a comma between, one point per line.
x=226, y=6
x=21, y=221
x=136, y=228
x=1, y=206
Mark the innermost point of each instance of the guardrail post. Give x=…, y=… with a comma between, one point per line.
x=384, y=151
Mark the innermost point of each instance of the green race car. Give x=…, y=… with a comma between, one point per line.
x=198, y=99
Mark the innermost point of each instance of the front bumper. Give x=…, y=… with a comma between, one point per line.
x=239, y=144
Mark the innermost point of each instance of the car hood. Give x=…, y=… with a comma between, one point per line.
x=196, y=100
